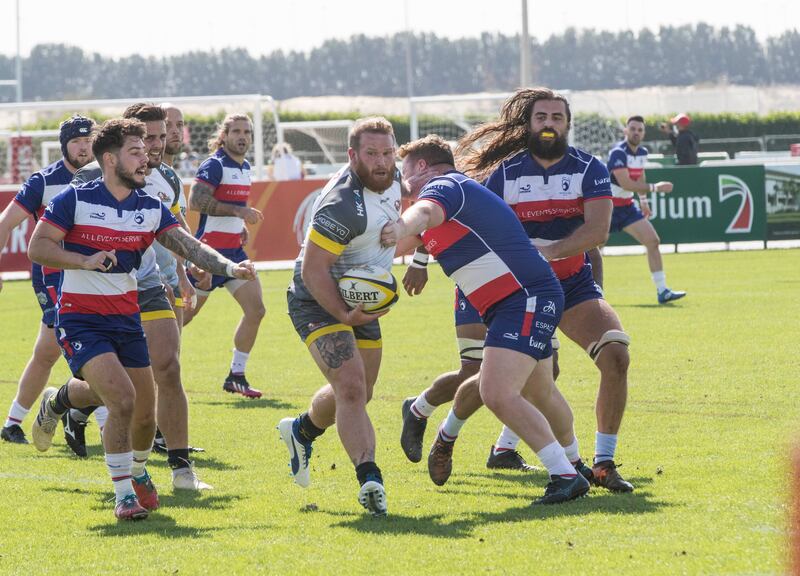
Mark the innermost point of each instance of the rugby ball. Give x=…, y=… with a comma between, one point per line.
x=371, y=286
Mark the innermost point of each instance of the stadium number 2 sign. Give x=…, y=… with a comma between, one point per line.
x=730, y=186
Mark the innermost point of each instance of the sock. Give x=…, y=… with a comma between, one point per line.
x=555, y=460
x=660, y=280
x=421, y=409
x=16, y=414
x=119, y=466
x=367, y=471
x=59, y=401
x=508, y=440
x=239, y=362
x=604, y=446
x=82, y=414
x=572, y=451
x=101, y=415
x=139, y=460
x=178, y=458
x=307, y=429
x=451, y=427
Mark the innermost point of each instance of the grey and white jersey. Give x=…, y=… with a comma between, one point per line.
x=163, y=183
x=347, y=219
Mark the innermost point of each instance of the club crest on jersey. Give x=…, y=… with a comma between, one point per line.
x=566, y=180
x=138, y=218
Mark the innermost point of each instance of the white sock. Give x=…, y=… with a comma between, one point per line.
x=139, y=460
x=508, y=440
x=572, y=451
x=100, y=416
x=239, y=362
x=604, y=446
x=420, y=408
x=16, y=414
x=555, y=460
x=660, y=280
x=451, y=427
x=119, y=466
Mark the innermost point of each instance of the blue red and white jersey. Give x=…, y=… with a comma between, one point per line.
x=231, y=182
x=621, y=156
x=94, y=220
x=33, y=197
x=481, y=244
x=549, y=201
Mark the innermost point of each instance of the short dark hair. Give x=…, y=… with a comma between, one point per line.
x=433, y=149
x=636, y=118
x=373, y=125
x=111, y=135
x=146, y=112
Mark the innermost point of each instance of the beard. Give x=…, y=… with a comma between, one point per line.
x=373, y=182
x=128, y=179
x=547, y=149
x=173, y=148
x=78, y=162
x=155, y=162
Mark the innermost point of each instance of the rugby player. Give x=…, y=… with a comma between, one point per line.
x=220, y=194
x=482, y=246
x=97, y=234
x=626, y=162
x=76, y=149
x=345, y=343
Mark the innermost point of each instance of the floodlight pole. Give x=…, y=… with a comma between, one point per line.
x=524, y=49
x=410, y=76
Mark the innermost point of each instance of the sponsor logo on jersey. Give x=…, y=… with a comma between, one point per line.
x=511, y=335
x=98, y=215
x=526, y=188
x=533, y=343
x=337, y=228
x=42, y=298
x=549, y=308
x=545, y=326
x=601, y=181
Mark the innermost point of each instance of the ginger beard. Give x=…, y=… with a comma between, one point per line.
x=378, y=179
x=547, y=144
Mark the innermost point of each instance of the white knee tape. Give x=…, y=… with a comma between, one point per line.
x=611, y=336
x=470, y=349
x=554, y=342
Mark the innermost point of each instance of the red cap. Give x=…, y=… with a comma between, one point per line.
x=681, y=120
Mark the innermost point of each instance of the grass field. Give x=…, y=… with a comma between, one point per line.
x=713, y=402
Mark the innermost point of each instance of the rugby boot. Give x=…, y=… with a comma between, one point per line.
x=605, y=475
x=13, y=434
x=44, y=426
x=372, y=496
x=508, y=460
x=413, y=432
x=74, y=434
x=146, y=492
x=583, y=470
x=185, y=478
x=440, y=461
x=238, y=384
x=129, y=509
x=562, y=489
x=668, y=295
x=299, y=450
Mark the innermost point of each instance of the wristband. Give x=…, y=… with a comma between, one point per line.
x=229, y=269
x=652, y=187
x=419, y=260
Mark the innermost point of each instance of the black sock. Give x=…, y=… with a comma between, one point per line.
x=159, y=436
x=367, y=471
x=308, y=431
x=59, y=401
x=87, y=411
x=178, y=458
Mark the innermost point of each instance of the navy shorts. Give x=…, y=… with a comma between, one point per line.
x=46, y=296
x=525, y=323
x=79, y=345
x=237, y=255
x=464, y=311
x=624, y=216
x=580, y=287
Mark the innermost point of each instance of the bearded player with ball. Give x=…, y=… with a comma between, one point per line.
x=345, y=341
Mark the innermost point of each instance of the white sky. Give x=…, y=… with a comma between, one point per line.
x=263, y=26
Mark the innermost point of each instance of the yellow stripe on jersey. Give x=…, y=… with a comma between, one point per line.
x=325, y=331
x=175, y=208
x=326, y=243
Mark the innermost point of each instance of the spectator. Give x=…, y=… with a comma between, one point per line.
x=285, y=165
x=685, y=141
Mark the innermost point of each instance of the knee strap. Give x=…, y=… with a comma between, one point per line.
x=610, y=337
x=470, y=349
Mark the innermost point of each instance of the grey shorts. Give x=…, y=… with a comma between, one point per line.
x=154, y=304
x=311, y=321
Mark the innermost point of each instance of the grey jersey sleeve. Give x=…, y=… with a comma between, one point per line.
x=86, y=174
x=339, y=217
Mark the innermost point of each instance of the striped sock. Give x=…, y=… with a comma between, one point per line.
x=451, y=427
x=605, y=445
x=508, y=440
x=16, y=414
x=139, y=460
x=119, y=467
x=421, y=409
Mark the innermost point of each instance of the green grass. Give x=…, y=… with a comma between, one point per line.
x=713, y=402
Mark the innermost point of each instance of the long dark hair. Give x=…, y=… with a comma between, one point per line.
x=480, y=151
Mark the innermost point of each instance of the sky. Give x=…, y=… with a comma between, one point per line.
x=268, y=25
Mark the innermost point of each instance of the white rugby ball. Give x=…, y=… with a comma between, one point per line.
x=371, y=286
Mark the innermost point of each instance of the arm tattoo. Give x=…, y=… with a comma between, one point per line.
x=189, y=247
x=201, y=198
x=336, y=348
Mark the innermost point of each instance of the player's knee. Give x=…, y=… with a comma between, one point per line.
x=46, y=354
x=615, y=360
x=468, y=370
x=352, y=394
x=122, y=405
x=255, y=311
x=495, y=398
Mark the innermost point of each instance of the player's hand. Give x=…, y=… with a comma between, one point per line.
x=188, y=293
x=663, y=186
x=357, y=317
x=252, y=215
x=244, y=270
x=644, y=206
x=416, y=182
x=391, y=233
x=202, y=279
x=414, y=280
x=170, y=294
x=245, y=235
x=102, y=261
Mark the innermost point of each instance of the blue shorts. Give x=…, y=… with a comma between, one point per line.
x=81, y=345
x=624, y=216
x=524, y=323
x=236, y=255
x=46, y=296
x=580, y=287
x=464, y=311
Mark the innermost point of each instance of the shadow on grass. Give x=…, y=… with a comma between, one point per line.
x=437, y=526
x=178, y=499
x=202, y=461
x=665, y=305
x=247, y=403
x=156, y=524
